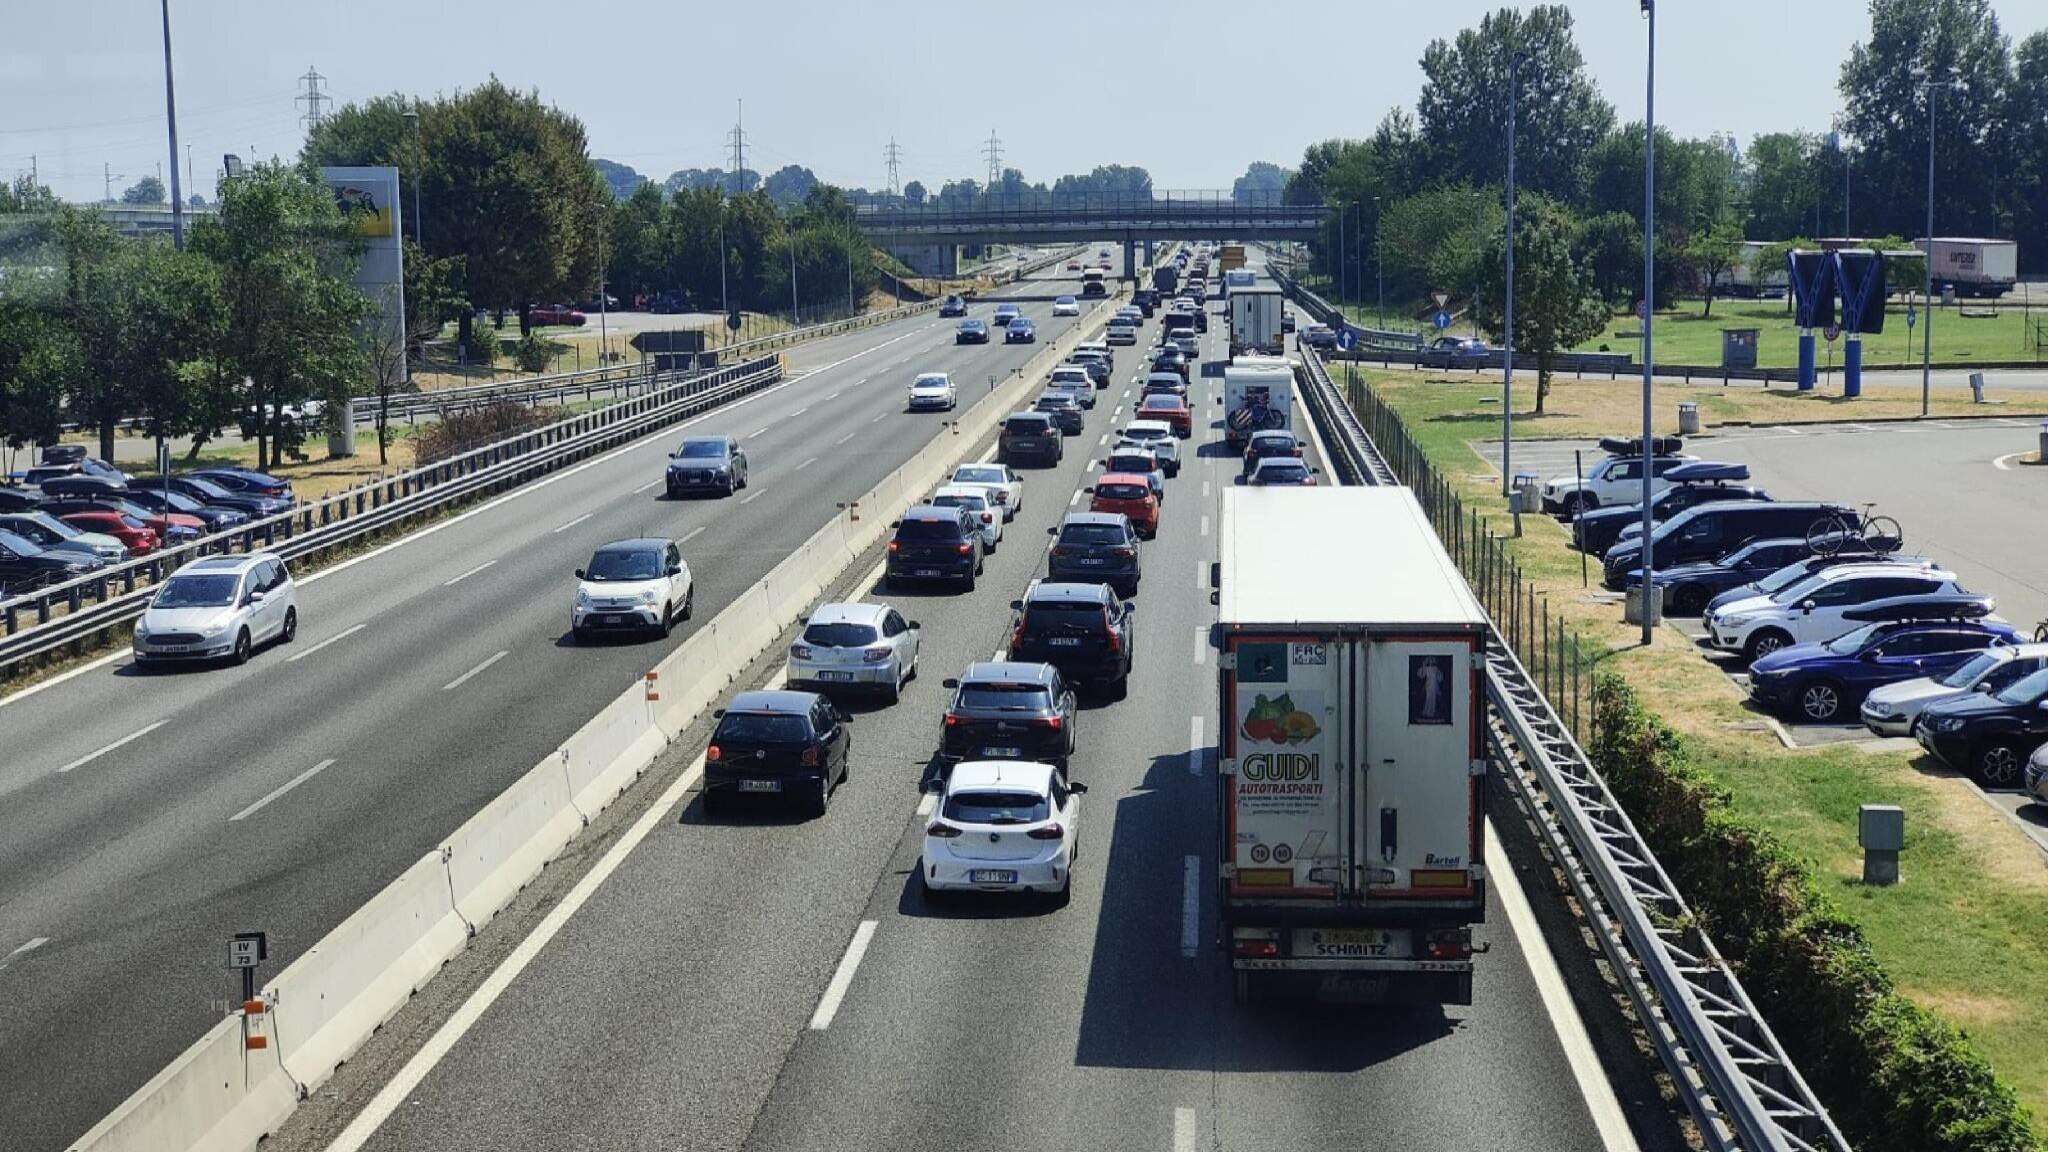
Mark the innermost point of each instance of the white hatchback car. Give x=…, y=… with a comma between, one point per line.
x=1812, y=609
x=638, y=585
x=1121, y=332
x=1892, y=709
x=219, y=606
x=1003, y=484
x=979, y=500
x=933, y=390
x=854, y=646
x=1157, y=436
x=1066, y=306
x=1002, y=826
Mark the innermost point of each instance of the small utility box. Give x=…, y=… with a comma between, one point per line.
x=1881, y=830
x=1738, y=347
x=1643, y=599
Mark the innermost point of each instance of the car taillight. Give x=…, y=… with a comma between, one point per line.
x=951, y=720
x=1126, y=553
x=1053, y=722
x=810, y=756
x=942, y=831
x=892, y=546
x=1047, y=832
x=874, y=655
x=712, y=753
x=1058, y=551
x=800, y=651
x=964, y=549
x=987, y=518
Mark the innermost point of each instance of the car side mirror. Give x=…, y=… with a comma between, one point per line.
x=1052, y=531
x=949, y=683
x=1807, y=606
x=842, y=715
x=579, y=574
x=1090, y=489
x=675, y=569
x=915, y=626
x=934, y=786
x=2043, y=705
x=1016, y=605
x=1077, y=789
x=1984, y=687
x=718, y=713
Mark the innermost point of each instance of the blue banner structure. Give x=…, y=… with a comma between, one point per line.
x=1859, y=278
x=1813, y=303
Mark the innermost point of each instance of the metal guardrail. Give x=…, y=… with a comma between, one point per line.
x=115, y=596
x=1740, y=1087
x=1328, y=313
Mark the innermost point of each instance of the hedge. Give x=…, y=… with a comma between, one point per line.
x=1896, y=1077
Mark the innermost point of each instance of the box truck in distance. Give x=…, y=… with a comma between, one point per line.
x=1351, y=773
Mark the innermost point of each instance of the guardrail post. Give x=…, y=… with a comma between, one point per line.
x=13, y=620
x=73, y=598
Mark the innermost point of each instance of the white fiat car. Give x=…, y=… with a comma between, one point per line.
x=219, y=606
x=1892, y=709
x=1002, y=826
x=854, y=647
x=632, y=586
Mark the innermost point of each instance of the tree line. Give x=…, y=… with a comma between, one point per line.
x=1420, y=201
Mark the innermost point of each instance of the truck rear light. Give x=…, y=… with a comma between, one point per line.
x=1255, y=948
x=1047, y=832
x=1449, y=944
x=1440, y=878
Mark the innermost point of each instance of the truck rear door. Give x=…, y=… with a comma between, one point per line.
x=1287, y=801
x=1418, y=827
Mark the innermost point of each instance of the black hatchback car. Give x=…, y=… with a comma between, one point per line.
x=1096, y=548
x=953, y=306
x=934, y=543
x=1009, y=711
x=1065, y=412
x=1030, y=436
x=784, y=746
x=1084, y=630
x=971, y=331
x=1989, y=734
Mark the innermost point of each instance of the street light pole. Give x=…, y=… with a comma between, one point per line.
x=1649, y=587
x=1379, y=262
x=1507, y=363
x=1927, y=265
x=171, y=118
x=419, y=161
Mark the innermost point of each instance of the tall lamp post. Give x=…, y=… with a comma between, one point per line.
x=171, y=118
x=1379, y=262
x=1930, y=86
x=1648, y=594
x=1507, y=362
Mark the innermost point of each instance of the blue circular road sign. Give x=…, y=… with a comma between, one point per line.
x=1442, y=320
x=1346, y=338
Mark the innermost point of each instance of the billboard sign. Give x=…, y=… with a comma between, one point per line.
x=369, y=196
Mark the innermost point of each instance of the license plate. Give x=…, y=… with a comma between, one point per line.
x=1065, y=641
x=926, y=572
x=835, y=676
x=1092, y=561
x=760, y=785
x=1350, y=943
x=993, y=876
x=609, y=618
x=1002, y=751
x=174, y=647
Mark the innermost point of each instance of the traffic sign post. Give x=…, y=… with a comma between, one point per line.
x=1442, y=319
x=1346, y=340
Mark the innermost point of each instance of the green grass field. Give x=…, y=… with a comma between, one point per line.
x=1684, y=336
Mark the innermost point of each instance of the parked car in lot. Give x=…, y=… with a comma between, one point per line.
x=706, y=464
x=932, y=543
x=1158, y=436
x=1800, y=569
x=161, y=502
x=1030, y=436
x=1127, y=494
x=80, y=485
x=971, y=331
x=1006, y=313
x=1096, y=547
x=977, y=500
x=26, y=565
x=856, y=647
x=1009, y=710
x=133, y=535
x=1597, y=529
x=546, y=315
x=1708, y=530
x=933, y=390
x=639, y=585
x=1081, y=628
x=784, y=746
x=1893, y=709
x=1002, y=826
x=1688, y=587
x=1611, y=480
x=215, y=495
x=1282, y=472
x=1170, y=410
x=1818, y=607
x=14, y=499
x=1020, y=331
x=2035, y=780
x=952, y=306
x=53, y=535
x=1822, y=683
x=245, y=481
x=1990, y=735
x=1066, y=306
x=103, y=515
x=1003, y=486
x=219, y=606
x=1270, y=443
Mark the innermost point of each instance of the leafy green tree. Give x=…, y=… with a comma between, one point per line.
x=174, y=316
x=92, y=265
x=37, y=357
x=1463, y=106
x=1610, y=249
x=148, y=190
x=1709, y=255
x=633, y=259
x=1435, y=241
x=619, y=179
x=1261, y=183
x=1785, y=184
x=2028, y=117
x=789, y=184
x=1557, y=304
x=23, y=194
x=914, y=192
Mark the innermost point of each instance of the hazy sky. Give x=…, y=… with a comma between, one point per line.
x=1192, y=90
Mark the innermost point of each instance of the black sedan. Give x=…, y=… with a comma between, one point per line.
x=157, y=500
x=214, y=495
x=783, y=746
x=971, y=331
x=1989, y=735
x=24, y=565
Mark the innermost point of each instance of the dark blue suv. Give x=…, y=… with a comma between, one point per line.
x=1826, y=682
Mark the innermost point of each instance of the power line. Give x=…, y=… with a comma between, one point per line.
x=314, y=99
x=993, y=149
x=738, y=143
x=894, y=156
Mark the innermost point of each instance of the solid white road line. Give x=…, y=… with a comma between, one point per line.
x=828, y=1006
x=1606, y=1111
x=1183, y=1130
x=692, y=533
x=1205, y=524
x=1201, y=645
x=805, y=464
x=89, y=757
x=1190, y=906
x=459, y=681
x=452, y=581
x=344, y=634
x=646, y=486
x=1196, y=748
x=281, y=789
x=573, y=523
x=750, y=497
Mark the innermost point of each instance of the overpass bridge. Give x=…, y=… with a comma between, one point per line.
x=934, y=231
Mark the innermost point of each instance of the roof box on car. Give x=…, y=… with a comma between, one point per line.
x=1661, y=446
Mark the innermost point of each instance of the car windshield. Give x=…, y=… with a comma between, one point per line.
x=52, y=525
x=928, y=530
x=702, y=449
x=929, y=382
x=1006, y=696
x=128, y=521
x=1851, y=642
x=979, y=475
x=1121, y=491
x=18, y=545
x=1967, y=675
x=2027, y=690
x=996, y=808
x=761, y=728
x=1799, y=590
x=840, y=635
x=213, y=590
x=1782, y=579
x=639, y=564
x=1092, y=534
x=1065, y=300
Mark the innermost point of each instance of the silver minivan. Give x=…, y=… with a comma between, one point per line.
x=219, y=606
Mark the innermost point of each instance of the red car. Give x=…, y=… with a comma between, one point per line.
x=133, y=534
x=555, y=314
x=1073, y=265
x=1130, y=494
x=1171, y=409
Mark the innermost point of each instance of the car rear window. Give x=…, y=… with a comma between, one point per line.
x=1006, y=696
x=1092, y=534
x=1121, y=491
x=974, y=502
x=1286, y=471
x=997, y=808
x=761, y=728
x=1132, y=463
x=701, y=449
x=1160, y=401
x=841, y=635
x=1027, y=425
x=928, y=530
x=978, y=475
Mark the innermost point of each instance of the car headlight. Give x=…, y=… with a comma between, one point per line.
x=647, y=597
x=141, y=628
x=583, y=598
x=214, y=629
x=1732, y=621
x=1879, y=708
x=1946, y=723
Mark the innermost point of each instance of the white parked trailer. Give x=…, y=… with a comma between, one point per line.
x=1973, y=267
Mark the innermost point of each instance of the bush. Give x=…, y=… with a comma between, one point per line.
x=533, y=353
x=482, y=346
x=458, y=432
x=1895, y=1077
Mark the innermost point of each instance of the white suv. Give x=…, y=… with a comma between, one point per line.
x=634, y=586
x=1811, y=610
x=1613, y=480
x=219, y=606
x=1158, y=438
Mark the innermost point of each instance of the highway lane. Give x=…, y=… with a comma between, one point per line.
x=681, y=1007
x=425, y=679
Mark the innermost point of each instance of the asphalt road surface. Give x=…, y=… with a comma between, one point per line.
x=426, y=678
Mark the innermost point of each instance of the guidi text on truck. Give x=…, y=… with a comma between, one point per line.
x=1352, y=773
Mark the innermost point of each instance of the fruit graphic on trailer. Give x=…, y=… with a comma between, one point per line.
x=1275, y=720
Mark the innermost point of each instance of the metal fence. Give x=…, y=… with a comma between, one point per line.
x=1741, y=1089
x=49, y=618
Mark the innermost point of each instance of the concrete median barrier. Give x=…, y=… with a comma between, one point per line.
x=500, y=849
x=610, y=752
x=216, y=1094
